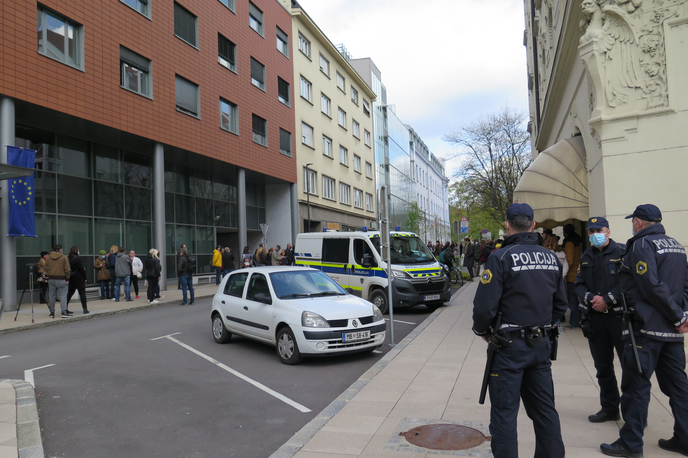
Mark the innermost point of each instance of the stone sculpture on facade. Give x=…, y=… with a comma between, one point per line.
x=624, y=51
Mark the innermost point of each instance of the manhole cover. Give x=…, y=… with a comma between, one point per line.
x=445, y=437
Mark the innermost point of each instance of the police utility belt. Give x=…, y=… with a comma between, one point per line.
x=531, y=334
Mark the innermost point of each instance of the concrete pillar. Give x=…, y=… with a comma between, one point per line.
x=241, y=204
x=8, y=246
x=159, y=210
x=295, y=218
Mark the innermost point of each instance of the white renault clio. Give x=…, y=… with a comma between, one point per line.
x=300, y=310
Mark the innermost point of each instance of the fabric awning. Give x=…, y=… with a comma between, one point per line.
x=556, y=183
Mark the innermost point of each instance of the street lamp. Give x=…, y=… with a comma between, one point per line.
x=308, y=194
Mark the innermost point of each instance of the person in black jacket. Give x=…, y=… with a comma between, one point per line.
x=227, y=260
x=77, y=281
x=152, y=268
x=469, y=258
x=597, y=288
x=186, y=267
x=654, y=276
x=523, y=282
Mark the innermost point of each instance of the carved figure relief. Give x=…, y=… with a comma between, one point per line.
x=629, y=49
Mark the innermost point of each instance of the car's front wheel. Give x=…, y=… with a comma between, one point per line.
x=287, y=348
x=379, y=299
x=220, y=332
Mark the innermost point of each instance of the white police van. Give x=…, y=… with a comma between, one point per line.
x=353, y=260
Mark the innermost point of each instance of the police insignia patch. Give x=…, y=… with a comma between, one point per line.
x=594, y=220
x=486, y=277
x=641, y=267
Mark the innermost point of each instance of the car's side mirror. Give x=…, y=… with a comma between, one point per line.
x=262, y=297
x=367, y=261
x=349, y=290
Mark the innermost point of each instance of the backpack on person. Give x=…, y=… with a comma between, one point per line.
x=442, y=257
x=191, y=264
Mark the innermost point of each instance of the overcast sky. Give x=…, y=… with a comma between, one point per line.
x=444, y=62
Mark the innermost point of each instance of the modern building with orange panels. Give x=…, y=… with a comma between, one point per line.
x=155, y=123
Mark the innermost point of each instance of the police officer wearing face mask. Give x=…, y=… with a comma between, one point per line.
x=597, y=288
x=523, y=282
x=654, y=278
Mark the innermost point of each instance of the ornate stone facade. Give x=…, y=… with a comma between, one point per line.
x=623, y=47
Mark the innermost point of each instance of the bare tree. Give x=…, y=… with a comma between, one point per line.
x=494, y=151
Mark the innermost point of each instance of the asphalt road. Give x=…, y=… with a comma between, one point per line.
x=112, y=391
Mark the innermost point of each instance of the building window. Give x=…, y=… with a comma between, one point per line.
x=229, y=116
x=354, y=95
x=357, y=163
x=285, y=142
x=369, y=170
x=345, y=193
x=283, y=91
x=310, y=185
x=341, y=117
x=358, y=198
x=324, y=65
x=327, y=146
x=328, y=188
x=282, y=42
x=257, y=74
x=226, y=52
x=304, y=46
x=260, y=129
x=366, y=137
x=60, y=38
x=366, y=107
x=255, y=18
x=341, y=82
x=343, y=155
x=356, y=127
x=135, y=72
x=187, y=94
x=229, y=4
x=306, y=89
x=325, y=104
x=185, y=25
x=139, y=5
x=307, y=135
x=369, y=202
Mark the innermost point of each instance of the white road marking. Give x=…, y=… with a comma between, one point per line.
x=377, y=351
x=258, y=385
x=28, y=374
x=3, y=357
x=399, y=321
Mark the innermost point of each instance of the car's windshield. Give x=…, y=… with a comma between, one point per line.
x=304, y=283
x=406, y=250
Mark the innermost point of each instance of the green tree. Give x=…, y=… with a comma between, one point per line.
x=415, y=218
x=494, y=151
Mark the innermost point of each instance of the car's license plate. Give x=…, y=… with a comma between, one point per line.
x=432, y=297
x=352, y=336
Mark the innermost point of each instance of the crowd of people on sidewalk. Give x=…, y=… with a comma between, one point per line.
x=60, y=276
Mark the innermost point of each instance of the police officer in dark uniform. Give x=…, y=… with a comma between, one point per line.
x=654, y=277
x=523, y=282
x=597, y=288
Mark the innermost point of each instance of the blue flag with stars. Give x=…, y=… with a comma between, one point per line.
x=22, y=219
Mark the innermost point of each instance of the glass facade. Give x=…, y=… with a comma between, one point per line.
x=401, y=183
x=94, y=196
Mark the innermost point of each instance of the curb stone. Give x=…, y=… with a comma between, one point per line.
x=92, y=315
x=301, y=437
x=29, y=442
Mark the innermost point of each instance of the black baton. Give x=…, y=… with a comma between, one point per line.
x=495, y=343
x=628, y=319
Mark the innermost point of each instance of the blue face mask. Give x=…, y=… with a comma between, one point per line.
x=598, y=239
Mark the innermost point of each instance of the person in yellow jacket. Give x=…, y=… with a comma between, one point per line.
x=217, y=263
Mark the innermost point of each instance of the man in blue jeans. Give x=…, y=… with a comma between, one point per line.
x=123, y=274
x=186, y=268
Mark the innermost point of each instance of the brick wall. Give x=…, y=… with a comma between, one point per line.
x=95, y=94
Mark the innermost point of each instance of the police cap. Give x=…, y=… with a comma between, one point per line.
x=647, y=212
x=517, y=209
x=597, y=222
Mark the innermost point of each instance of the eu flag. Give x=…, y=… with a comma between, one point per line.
x=22, y=219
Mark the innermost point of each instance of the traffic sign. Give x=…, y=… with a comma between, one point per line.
x=484, y=231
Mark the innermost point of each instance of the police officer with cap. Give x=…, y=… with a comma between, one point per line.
x=523, y=283
x=597, y=288
x=654, y=278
